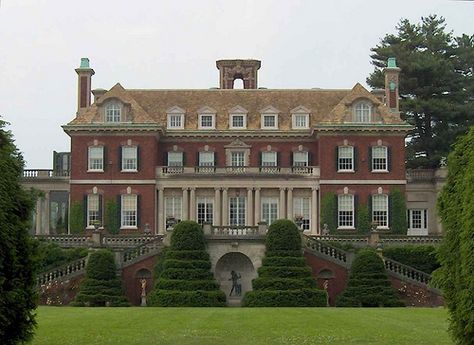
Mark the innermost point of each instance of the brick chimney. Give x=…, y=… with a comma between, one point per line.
x=84, y=76
x=392, y=73
x=230, y=70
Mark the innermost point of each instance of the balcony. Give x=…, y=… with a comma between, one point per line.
x=44, y=174
x=176, y=171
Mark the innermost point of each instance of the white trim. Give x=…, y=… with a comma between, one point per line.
x=213, y=115
x=231, y=120
x=131, y=182
x=293, y=120
x=168, y=121
x=378, y=182
x=262, y=123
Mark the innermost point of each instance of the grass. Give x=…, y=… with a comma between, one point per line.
x=229, y=326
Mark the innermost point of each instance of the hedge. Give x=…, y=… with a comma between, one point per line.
x=199, y=298
x=188, y=264
x=284, y=261
x=284, y=253
x=187, y=254
x=186, y=285
x=368, y=284
x=283, y=234
x=184, y=273
x=284, y=272
x=188, y=235
x=283, y=283
x=422, y=258
x=286, y=298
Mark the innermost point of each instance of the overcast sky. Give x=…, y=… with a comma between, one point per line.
x=174, y=44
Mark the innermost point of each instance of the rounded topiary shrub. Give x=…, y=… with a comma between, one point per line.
x=284, y=280
x=184, y=277
x=368, y=284
x=101, y=287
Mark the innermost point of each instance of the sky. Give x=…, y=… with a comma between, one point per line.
x=174, y=44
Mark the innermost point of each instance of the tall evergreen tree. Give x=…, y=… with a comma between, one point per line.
x=17, y=281
x=436, y=85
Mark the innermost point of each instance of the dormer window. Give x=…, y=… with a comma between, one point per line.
x=113, y=112
x=300, y=118
x=207, y=118
x=363, y=112
x=175, y=118
x=269, y=118
x=238, y=118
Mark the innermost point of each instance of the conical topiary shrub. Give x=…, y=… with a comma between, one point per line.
x=101, y=287
x=284, y=279
x=368, y=284
x=184, y=276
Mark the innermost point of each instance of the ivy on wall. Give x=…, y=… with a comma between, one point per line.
x=112, y=221
x=329, y=211
x=398, y=212
x=363, y=219
x=77, y=218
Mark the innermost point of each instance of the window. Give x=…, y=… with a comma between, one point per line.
x=129, y=211
x=129, y=158
x=363, y=112
x=93, y=206
x=175, y=159
x=269, y=210
x=379, y=158
x=172, y=211
x=345, y=161
x=205, y=210
x=300, y=159
x=269, y=159
x=206, y=159
x=96, y=158
x=237, y=211
x=417, y=219
x=300, y=121
x=113, y=112
x=237, y=159
x=301, y=212
x=380, y=210
x=345, y=211
x=238, y=121
x=206, y=121
x=175, y=121
x=270, y=121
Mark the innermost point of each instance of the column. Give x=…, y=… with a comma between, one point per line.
x=185, y=204
x=161, y=211
x=39, y=216
x=250, y=206
x=217, y=206
x=257, y=206
x=225, y=208
x=192, y=205
x=46, y=213
x=282, y=203
x=314, y=211
x=289, y=204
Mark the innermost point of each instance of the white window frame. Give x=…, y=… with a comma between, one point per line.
x=237, y=211
x=363, y=112
x=376, y=208
x=231, y=121
x=113, y=112
x=213, y=121
x=270, y=209
x=377, y=160
x=262, y=121
x=90, y=163
x=171, y=121
x=133, y=161
x=236, y=162
x=204, y=209
x=130, y=220
x=300, y=162
x=341, y=166
x=173, y=209
x=93, y=212
x=345, y=211
x=423, y=220
x=269, y=159
x=208, y=162
x=170, y=154
x=302, y=208
x=294, y=121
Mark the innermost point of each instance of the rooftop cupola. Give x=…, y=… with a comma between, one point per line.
x=230, y=70
x=392, y=73
x=84, y=77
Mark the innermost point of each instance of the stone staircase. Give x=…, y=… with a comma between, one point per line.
x=67, y=271
x=141, y=252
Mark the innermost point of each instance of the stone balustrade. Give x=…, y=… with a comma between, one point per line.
x=44, y=173
x=234, y=231
x=131, y=255
x=400, y=239
x=320, y=248
x=121, y=241
x=97, y=239
x=406, y=272
x=63, y=272
x=168, y=171
x=67, y=241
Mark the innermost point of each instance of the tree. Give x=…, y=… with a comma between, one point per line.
x=368, y=284
x=101, y=287
x=456, y=209
x=284, y=280
x=436, y=85
x=17, y=251
x=184, y=274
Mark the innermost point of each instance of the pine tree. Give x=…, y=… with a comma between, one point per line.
x=17, y=265
x=436, y=85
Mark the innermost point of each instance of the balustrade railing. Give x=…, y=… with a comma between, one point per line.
x=420, y=174
x=66, y=240
x=317, y=246
x=235, y=230
x=62, y=272
x=353, y=239
x=406, y=271
x=142, y=250
x=120, y=241
x=395, y=239
x=238, y=170
x=44, y=173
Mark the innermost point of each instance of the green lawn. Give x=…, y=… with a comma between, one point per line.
x=242, y=326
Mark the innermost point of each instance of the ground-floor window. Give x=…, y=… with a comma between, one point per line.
x=173, y=207
x=92, y=210
x=345, y=211
x=269, y=210
x=380, y=210
x=417, y=219
x=129, y=211
x=237, y=210
x=205, y=210
x=301, y=212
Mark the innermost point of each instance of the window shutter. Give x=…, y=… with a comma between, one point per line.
x=356, y=209
x=104, y=157
x=119, y=209
x=277, y=159
x=337, y=158
x=355, y=158
x=369, y=206
x=138, y=212
x=390, y=211
x=310, y=158
x=260, y=158
x=389, y=159
x=370, y=157
x=84, y=222
x=198, y=163
x=101, y=210
x=292, y=159
x=138, y=157
x=184, y=158
x=119, y=158
x=215, y=159
x=336, y=212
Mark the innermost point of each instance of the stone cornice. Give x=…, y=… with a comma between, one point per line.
x=107, y=128
x=355, y=127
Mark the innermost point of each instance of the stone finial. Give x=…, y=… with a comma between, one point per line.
x=84, y=63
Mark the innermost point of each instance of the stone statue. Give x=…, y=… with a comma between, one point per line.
x=325, y=229
x=236, y=285
x=143, y=282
